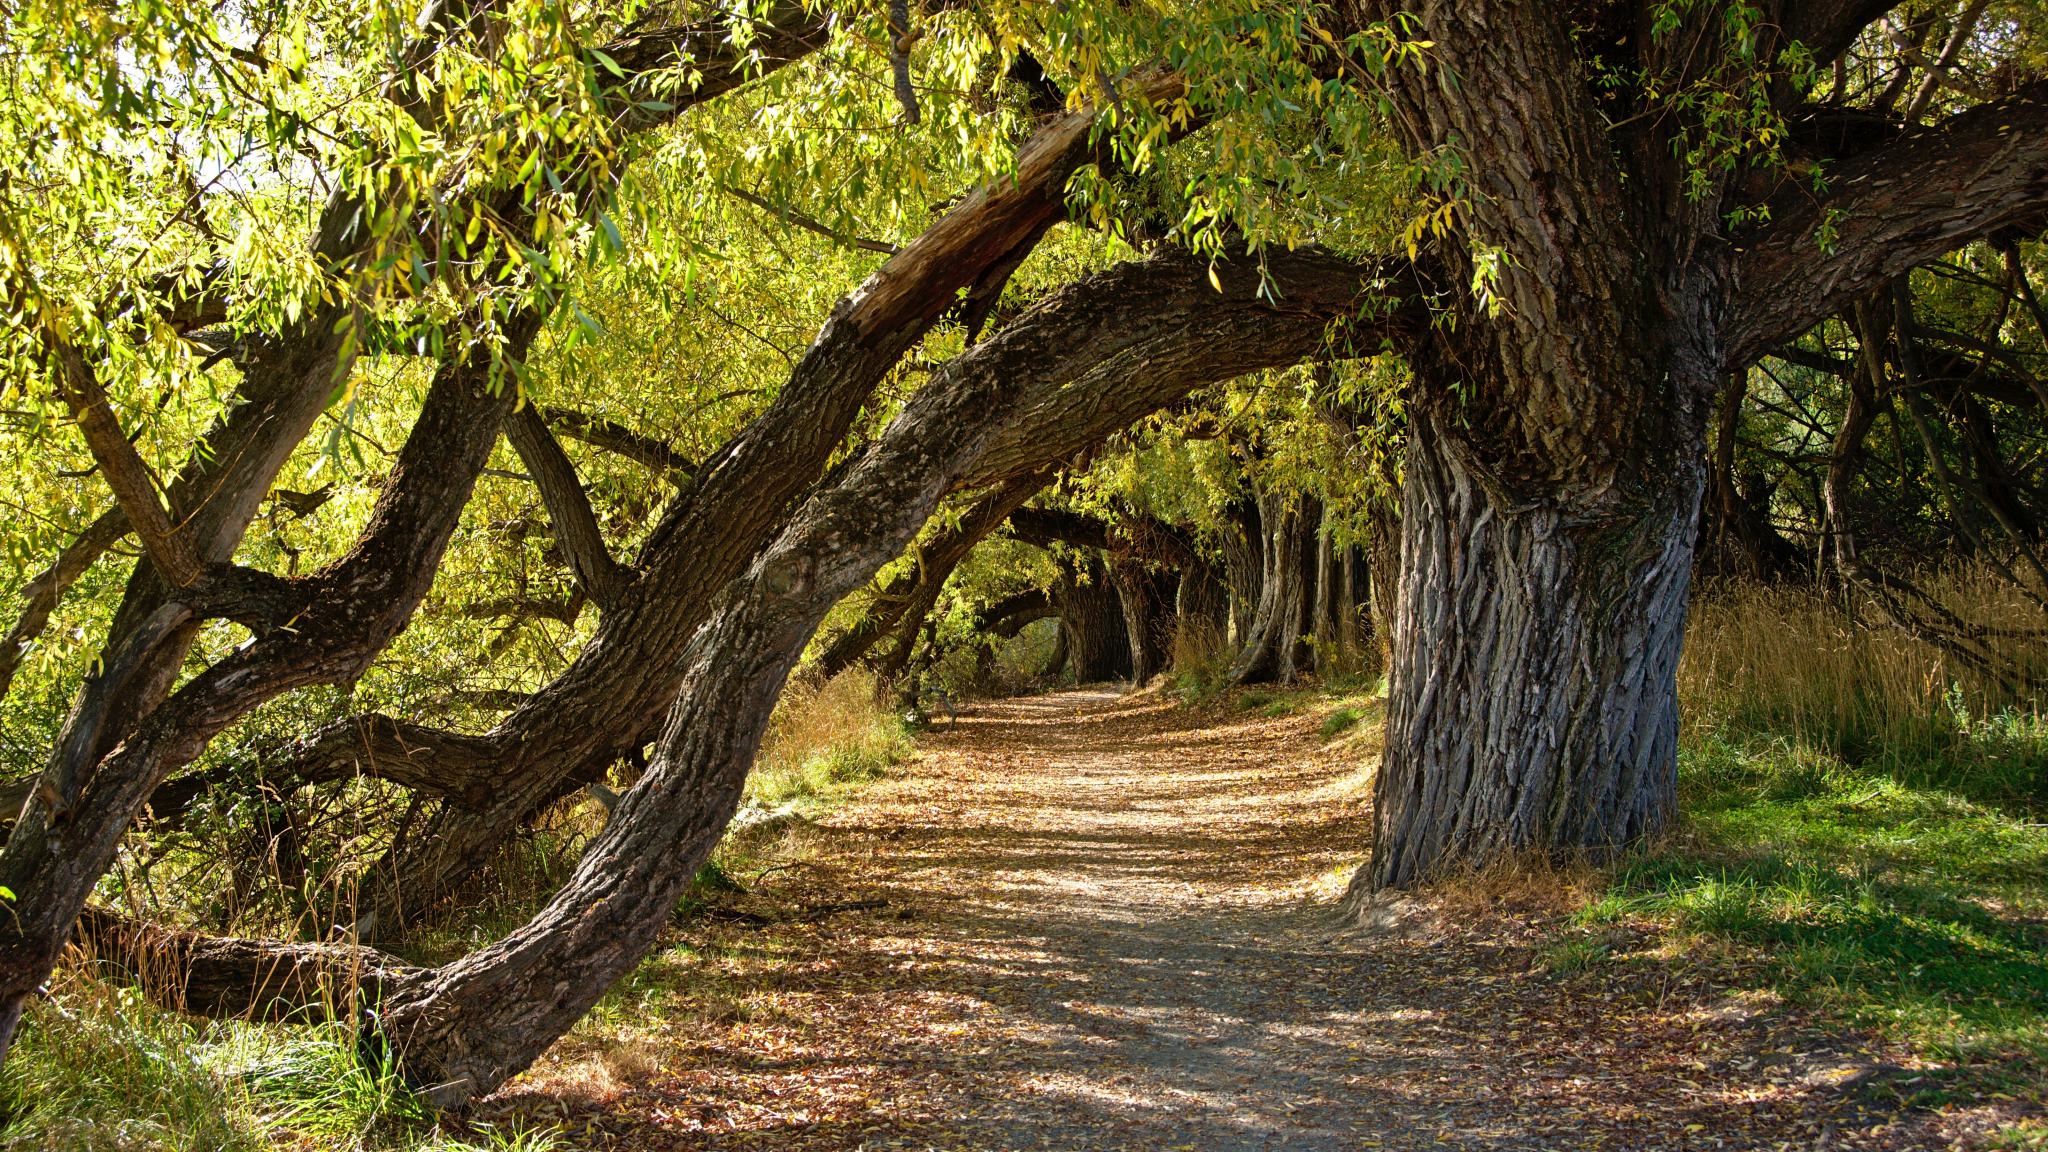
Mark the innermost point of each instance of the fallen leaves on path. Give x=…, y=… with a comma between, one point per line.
x=1093, y=922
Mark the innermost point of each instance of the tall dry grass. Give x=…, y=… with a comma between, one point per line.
x=825, y=735
x=1798, y=665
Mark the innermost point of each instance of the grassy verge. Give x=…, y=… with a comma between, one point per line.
x=1909, y=910
x=1863, y=835
x=97, y=1069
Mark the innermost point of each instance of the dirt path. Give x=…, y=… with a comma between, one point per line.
x=1105, y=923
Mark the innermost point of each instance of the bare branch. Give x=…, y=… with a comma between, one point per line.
x=808, y=223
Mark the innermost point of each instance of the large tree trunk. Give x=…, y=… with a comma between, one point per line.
x=1278, y=648
x=463, y=1029
x=1534, y=695
x=1146, y=600
x=1091, y=615
x=1555, y=455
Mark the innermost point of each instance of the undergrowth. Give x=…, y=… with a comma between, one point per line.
x=99, y=1069
x=825, y=737
x=96, y=1068
x=1862, y=834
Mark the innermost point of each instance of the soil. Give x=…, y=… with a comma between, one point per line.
x=1098, y=921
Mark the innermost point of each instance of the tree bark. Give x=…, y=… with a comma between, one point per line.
x=1145, y=599
x=1278, y=649
x=1091, y=616
x=1534, y=697
x=464, y=1029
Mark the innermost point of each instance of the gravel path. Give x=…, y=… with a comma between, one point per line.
x=1097, y=922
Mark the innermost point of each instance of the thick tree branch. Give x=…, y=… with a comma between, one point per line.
x=232, y=978
x=135, y=489
x=1887, y=211
x=568, y=505
x=1828, y=27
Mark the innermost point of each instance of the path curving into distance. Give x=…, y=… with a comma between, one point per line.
x=1088, y=921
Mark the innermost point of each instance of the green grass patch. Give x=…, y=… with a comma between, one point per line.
x=1898, y=905
x=98, y=1069
x=1344, y=718
x=825, y=738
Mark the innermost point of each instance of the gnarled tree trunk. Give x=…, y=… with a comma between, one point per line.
x=1534, y=696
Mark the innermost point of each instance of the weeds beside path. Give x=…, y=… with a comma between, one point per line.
x=1105, y=923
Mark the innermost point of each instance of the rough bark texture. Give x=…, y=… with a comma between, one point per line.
x=226, y=977
x=1556, y=457
x=1553, y=465
x=345, y=615
x=1496, y=603
x=467, y=1027
x=124, y=736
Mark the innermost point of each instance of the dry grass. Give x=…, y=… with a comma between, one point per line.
x=826, y=735
x=1791, y=662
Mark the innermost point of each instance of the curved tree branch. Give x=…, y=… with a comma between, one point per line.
x=1885, y=212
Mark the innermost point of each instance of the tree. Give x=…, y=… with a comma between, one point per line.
x=1623, y=198
x=1585, y=224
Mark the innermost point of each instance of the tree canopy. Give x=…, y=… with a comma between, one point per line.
x=414, y=416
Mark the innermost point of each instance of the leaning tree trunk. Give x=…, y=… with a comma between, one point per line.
x=1534, y=695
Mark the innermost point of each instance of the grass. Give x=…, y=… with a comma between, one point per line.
x=95, y=1068
x=1344, y=718
x=1862, y=835
x=1906, y=909
x=98, y=1069
x=825, y=737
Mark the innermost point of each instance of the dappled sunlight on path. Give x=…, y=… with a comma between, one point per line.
x=1098, y=922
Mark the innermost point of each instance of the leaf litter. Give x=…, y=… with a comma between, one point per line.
x=1092, y=921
